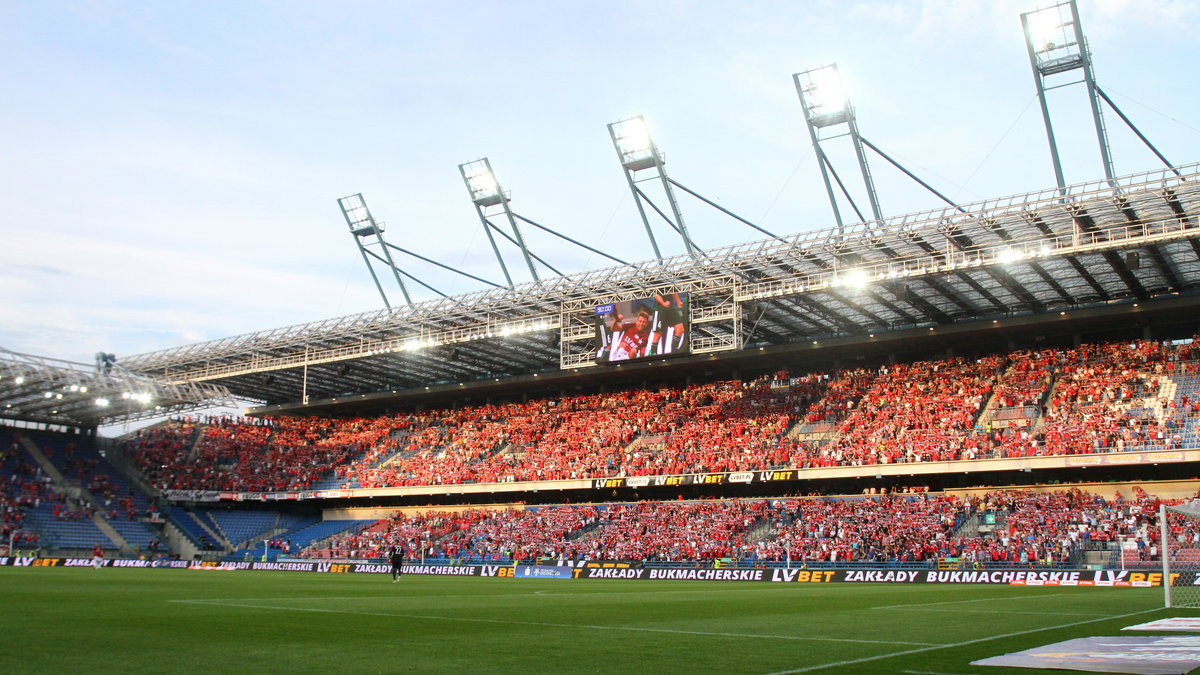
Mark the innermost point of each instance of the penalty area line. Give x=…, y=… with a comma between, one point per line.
x=323, y=610
x=989, y=638
x=955, y=610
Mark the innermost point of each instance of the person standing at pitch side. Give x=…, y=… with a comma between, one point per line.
x=396, y=557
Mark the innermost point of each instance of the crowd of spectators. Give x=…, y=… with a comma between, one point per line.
x=1030, y=527
x=873, y=529
x=1093, y=398
x=249, y=455
x=908, y=412
x=23, y=486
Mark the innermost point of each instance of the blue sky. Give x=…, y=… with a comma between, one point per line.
x=170, y=171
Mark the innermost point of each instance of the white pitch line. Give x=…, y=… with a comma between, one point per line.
x=546, y=624
x=1006, y=611
x=867, y=659
x=961, y=602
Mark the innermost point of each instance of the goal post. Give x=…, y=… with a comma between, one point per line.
x=1180, y=537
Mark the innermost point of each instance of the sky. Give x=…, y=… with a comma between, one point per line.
x=170, y=171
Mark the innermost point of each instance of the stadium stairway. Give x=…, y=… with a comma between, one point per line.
x=242, y=527
x=188, y=528
x=312, y=531
x=1188, y=385
x=68, y=533
x=332, y=481
x=760, y=530
x=130, y=533
x=301, y=532
x=976, y=525
x=206, y=519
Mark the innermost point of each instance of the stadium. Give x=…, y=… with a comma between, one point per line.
x=763, y=457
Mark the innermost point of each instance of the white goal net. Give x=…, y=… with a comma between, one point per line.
x=1180, y=535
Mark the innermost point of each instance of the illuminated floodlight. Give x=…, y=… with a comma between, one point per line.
x=1052, y=36
x=828, y=91
x=481, y=182
x=20, y=379
x=824, y=96
x=1009, y=255
x=855, y=278
x=102, y=402
x=634, y=145
x=1050, y=28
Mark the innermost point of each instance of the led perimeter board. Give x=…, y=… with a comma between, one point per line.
x=643, y=328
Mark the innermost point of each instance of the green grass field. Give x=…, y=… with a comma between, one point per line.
x=179, y=621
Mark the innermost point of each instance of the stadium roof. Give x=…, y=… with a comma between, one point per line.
x=53, y=391
x=1105, y=244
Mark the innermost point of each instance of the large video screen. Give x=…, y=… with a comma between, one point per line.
x=643, y=328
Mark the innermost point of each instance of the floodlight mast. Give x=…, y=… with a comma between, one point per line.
x=363, y=226
x=1055, y=42
x=486, y=193
x=825, y=103
x=637, y=152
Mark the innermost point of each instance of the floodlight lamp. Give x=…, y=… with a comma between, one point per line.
x=855, y=278
x=102, y=402
x=1009, y=255
x=20, y=379
x=825, y=96
x=827, y=89
x=633, y=141
x=1048, y=30
x=482, y=183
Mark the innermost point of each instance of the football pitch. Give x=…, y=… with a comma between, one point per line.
x=184, y=621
